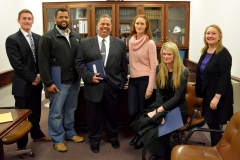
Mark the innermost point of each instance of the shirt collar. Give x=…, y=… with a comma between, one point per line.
x=106, y=39
x=25, y=33
x=61, y=31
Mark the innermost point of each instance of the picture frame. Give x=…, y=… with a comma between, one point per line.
x=125, y=28
x=81, y=13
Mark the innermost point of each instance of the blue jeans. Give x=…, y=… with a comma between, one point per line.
x=61, y=115
x=136, y=95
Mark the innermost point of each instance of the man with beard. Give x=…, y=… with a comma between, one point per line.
x=58, y=48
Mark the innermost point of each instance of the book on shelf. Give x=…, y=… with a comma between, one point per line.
x=75, y=26
x=182, y=55
x=83, y=26
x=81, y=13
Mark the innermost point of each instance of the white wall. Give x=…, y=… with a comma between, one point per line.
x=9, y=12
x=223, y=13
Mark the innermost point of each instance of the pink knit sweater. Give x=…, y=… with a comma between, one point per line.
x=143, y=59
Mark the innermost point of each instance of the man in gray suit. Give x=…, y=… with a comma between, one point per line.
x=103, y=95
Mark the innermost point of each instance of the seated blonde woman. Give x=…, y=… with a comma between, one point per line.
x=172, y=77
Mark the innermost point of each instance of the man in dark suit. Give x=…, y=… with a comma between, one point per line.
x=21, y=49
x=102, y=95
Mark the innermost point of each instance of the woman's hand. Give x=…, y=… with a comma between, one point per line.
x=148, y=94
x=151, y=114
x=214, y=102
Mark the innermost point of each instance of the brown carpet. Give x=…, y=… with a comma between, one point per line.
x=81, y=151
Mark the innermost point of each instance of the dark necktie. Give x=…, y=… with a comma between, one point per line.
x=103, y=51
x=32, y=46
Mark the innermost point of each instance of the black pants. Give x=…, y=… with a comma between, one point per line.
x=107, y=109
x=215, y=136
x=33, y=102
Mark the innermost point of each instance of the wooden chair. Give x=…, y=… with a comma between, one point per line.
x=17, y=133
x=228, y=148
x=195, y=119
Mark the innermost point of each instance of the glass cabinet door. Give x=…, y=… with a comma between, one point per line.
x=79, y=20
x=126, y=14
x=49, y=15
x=156, y=19
x=177, y=25
x=97, y=11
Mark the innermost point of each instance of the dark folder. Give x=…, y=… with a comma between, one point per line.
x=173, y=121
x=97, y=67
x=56, y=77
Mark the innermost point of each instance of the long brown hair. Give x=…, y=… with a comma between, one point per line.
x=147, y=30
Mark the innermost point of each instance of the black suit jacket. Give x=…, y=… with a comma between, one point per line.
x=116, y=67
x=21, y=59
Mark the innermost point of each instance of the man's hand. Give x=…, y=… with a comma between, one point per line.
x=52, y=89
x=96, y=78
x=37, y=80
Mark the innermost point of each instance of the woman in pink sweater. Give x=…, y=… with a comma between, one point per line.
x=143, y=62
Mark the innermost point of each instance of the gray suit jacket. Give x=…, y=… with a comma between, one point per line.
x=116, y=67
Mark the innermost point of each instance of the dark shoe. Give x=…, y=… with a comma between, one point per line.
x=154, y=157
x=95, y=149
x=115, y=144
x=43, y=139
x=138, y=145
x=134, y=140
x=23, y=155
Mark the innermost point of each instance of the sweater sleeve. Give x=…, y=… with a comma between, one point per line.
x=153, y=63
x=224, y=65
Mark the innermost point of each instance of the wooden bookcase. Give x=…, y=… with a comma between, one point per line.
x=163, y=16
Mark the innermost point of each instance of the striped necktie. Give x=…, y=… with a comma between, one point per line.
x=103, y=51
x=32, y=46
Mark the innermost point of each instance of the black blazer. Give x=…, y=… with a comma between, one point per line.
x=21, y=59
x=216, y=79
x=116, y=67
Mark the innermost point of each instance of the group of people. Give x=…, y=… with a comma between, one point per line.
x=32, y=57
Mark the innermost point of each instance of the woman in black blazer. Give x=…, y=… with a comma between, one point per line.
x=213, y=81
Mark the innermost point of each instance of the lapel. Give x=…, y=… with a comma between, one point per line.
x=26, y=44
x=111, y=49
x=96, y=48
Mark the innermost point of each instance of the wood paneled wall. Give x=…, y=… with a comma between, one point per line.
x=6, y=77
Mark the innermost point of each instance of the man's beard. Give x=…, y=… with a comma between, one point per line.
x=61, y=27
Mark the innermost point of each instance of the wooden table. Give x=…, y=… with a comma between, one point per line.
x=18, y=116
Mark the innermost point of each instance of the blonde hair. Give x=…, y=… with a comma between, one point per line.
x=147, y=30
x=219, y=44
x=178, y=67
